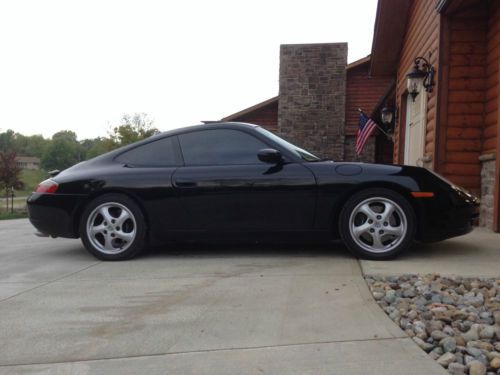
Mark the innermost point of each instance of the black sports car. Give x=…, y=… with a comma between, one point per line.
x=239, y=181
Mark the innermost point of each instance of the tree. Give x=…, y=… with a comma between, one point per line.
x=10, y=173
x=68, y=135
x=95, y=147
x=63, y=151
x=133, y=128
x=7, y=141
x=36, y=145
x=32, y=145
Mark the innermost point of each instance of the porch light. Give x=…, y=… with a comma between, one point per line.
x=386, y=115
x=422, y=75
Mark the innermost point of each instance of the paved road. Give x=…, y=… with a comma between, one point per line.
x=192, y=310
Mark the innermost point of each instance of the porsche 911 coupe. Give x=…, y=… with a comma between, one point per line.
x=239, y=181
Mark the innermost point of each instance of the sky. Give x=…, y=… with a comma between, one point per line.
x=80, y=65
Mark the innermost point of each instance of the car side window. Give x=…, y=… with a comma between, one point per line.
x=220, y=147
x=161, y=153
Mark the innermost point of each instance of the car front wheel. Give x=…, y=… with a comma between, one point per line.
x=377, y=224
x=112, y=228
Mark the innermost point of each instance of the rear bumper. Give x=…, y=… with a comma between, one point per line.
x=54, y=214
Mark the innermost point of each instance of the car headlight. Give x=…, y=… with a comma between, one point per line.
x=462, y=192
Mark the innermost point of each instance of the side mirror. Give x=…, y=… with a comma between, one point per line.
x=270, y=155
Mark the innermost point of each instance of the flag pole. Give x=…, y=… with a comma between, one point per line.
x=379, y=128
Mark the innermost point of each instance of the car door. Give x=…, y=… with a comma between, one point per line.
x=225, y=187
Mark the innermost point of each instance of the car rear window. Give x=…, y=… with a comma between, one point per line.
x=161, y=153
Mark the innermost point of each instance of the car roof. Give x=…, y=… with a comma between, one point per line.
x=186, y=129
x=210, y=125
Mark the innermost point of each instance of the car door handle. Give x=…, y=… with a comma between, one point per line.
x=184, y=183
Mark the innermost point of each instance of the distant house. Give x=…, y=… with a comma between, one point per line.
x=28, y=162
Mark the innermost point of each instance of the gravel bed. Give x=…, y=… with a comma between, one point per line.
x=455, y=320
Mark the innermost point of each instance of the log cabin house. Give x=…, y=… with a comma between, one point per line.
x=451, y=123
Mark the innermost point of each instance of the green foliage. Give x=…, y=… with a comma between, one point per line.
x=33, y=145
x=14, y=215
x=95, y=147
x=132, y=129
x=8, y=141
x=63, y=152
x=66, y=135
x=31, y=178
x=63, y=149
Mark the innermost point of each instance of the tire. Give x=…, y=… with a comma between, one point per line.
x=112, y=227
x=377, y=224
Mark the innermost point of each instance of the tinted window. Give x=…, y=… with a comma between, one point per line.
x=303, y=154
x=160, y=153
x=220, y=147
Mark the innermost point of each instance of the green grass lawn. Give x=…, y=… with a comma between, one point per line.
x=15, y=215
x=31, y=179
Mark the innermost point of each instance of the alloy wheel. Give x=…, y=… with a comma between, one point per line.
x=111, y=228
x=378, y=224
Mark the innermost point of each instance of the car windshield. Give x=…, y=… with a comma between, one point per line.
x=300, y=152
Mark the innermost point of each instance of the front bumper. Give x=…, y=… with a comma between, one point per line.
x=442, y=222
x=55, y=214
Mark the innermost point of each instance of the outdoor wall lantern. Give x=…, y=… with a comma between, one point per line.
x=421, y=75
x=386, y=115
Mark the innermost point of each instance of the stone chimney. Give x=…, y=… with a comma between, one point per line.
x=312, y=87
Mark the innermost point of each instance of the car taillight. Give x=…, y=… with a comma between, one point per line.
x=47, y=187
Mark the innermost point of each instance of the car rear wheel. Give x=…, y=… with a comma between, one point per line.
x=377, y=224
x=112, y=228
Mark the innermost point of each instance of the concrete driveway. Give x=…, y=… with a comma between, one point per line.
x=474, y=255
x=192, y=310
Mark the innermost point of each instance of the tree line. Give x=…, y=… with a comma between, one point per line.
x=63, y=149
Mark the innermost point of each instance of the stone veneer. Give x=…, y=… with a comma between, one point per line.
x=368, y=154
x=487, y=190
x=312, y=87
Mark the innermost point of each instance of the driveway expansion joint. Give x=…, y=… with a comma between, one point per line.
x=50, y=282
x=205, y=351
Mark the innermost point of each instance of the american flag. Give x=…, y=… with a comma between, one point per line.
x=366, y=127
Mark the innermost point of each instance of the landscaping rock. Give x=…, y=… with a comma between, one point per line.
x=446, y=359
x=378, y=295
x=456, y=369
x=438, y=335
x=424, y=345
x=390, y=296
x=472, y=334
x=477, y=368
x=495, y=363
x=448, y=344
x=496, y=316
x=455, y=320
x=487, y=332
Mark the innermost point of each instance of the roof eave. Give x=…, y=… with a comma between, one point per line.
x=388, y=36
x=248, y=110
